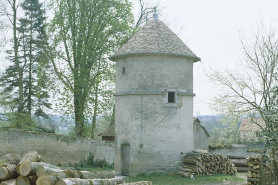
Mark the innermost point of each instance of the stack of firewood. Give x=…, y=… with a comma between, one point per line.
x=30, y=169
x=253, y=174
x=200, y=163
x=240, y=162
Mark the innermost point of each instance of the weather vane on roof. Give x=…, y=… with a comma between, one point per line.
x=155, y=16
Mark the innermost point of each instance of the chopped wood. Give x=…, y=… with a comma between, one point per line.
x=253, y=174
x=21, y=180
x=242, y=169
x=51, y=179
x=44, y=168
x=9, y=182
x=236, y=157
x=27, y=168
x=24, y=165
x=77, y=181
x=249, y=179
x=8, y=172
x=96, y=175
x=202, y=163
x=10, y=159
x=239, y=163
x=32, y=156
x=33, y=179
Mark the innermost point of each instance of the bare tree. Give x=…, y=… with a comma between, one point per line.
x=249, y=91
x=253, y=91
x=146, y=12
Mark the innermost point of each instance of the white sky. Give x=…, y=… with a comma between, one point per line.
x=213, y=29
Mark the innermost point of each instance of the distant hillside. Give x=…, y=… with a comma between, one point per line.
x=210, y=122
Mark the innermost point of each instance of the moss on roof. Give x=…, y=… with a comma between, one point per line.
x=155, y=37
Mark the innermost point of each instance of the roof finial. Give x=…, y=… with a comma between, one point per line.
x=155, y=16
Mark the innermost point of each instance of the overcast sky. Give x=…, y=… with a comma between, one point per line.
x=213, y=29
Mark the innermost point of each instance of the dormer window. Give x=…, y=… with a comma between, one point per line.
x=123, y=71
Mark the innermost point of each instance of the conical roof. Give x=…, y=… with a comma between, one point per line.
x=155, y=38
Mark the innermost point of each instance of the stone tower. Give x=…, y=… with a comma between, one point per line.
x=154, y=101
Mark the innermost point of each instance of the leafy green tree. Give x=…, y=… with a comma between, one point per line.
x=33, y=42
x=24, y=81
x=84, y=33
x=12, y=79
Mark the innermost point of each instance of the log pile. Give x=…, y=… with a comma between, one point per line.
x=30, y=169
x=200, y=163
x=240, y=162
x=253, y=174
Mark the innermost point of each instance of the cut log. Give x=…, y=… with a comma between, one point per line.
x=77, y=181
x=21, y=180
x=47, y=168
x=9, y=182
x=206, y=164
x=8, y=172
x=32, y=156
x=96, y=175
x=236, y=157
x=249, y=174
x=239, y=163
x=242, y=169
x=52, y=179
x=27, y=168
x=190, y=161
x=33, y=179
x=256, y=167
x=253, y=170
x=249, y=179
x=10, y=159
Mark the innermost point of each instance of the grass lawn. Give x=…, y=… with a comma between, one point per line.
x=168, y=179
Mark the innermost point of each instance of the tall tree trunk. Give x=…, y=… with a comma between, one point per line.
x=29, y=106
x=79, y=111
x=95, y=112
x=19, y=70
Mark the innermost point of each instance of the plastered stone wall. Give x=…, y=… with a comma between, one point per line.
x=238, y=150
x=55, y=149
x=156, y=131
x=201, y=140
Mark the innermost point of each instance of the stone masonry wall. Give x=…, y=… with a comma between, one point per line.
x=238, y=150
x=55, y=149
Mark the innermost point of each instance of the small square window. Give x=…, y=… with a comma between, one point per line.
x=123, y=70
x=171, y=97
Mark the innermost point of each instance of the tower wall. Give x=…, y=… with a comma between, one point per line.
x=155, y=131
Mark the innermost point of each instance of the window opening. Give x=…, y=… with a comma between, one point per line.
x=171, y=97
x=123, y=70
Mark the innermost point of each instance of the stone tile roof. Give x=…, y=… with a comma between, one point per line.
x=155, y=37
x=109, y=132
x=249, y=124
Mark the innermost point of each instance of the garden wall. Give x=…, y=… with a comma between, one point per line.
x=55, y=149
x=238, y=150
